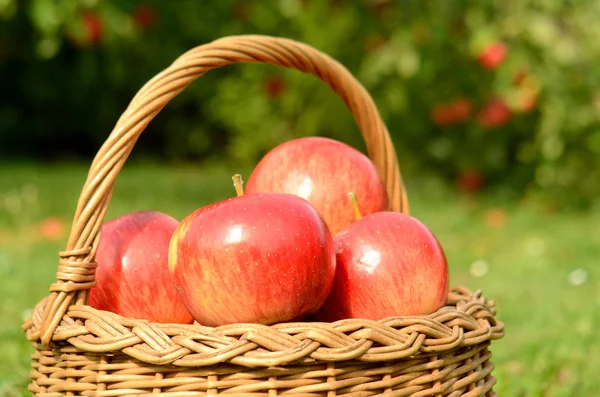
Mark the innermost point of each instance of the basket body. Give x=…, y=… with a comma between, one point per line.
x=81, y=351
x=100, y=354
x=463, y=372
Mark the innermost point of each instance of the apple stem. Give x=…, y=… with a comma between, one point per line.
x=238, y=183
x=357, y=214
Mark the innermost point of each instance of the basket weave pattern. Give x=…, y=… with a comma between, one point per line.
x=88, y=352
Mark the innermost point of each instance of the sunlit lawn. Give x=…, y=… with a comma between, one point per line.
x=542, y=269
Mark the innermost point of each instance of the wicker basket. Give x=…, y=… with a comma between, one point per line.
x=81, y=351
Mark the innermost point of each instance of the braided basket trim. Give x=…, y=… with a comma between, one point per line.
x=467, y=320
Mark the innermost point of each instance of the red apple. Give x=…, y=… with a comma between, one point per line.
x=145, y=16
x=89, y=32
x=493, y=55
x=133, y=277
x=442, y=114
x=93, y=27
x=259, y=258
x=388, y=264
x=462, y=108
x=470, y=181
x=322, y=171
x=274, y=86
x=456, y=111
x=495, y=113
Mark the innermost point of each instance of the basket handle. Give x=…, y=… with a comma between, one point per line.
x=76, y=269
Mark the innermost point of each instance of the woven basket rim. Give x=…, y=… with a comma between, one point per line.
x=467, y=320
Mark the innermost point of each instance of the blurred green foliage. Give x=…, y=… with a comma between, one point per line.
x=481, y=93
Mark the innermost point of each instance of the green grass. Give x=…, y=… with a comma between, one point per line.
x=528, y=266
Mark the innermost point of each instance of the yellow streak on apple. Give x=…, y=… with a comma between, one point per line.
x=357, y=214
x=179, y=232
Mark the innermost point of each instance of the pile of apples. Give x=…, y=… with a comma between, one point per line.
x=311, y=239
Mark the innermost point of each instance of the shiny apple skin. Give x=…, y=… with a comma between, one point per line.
x=322, y=171
x=133, y=277
x=257, y=258
x=388, y=264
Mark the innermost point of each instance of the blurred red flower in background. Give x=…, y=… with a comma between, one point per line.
x=495, y=113
x=453, y=112
x=470, y=181
x=93, y=27
x=493, y=55
x=274, y=86
x=145, y=16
